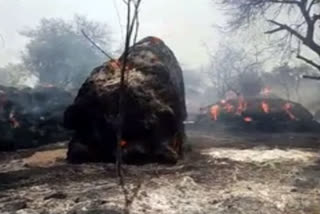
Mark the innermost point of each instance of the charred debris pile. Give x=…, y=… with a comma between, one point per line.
x=153, y=129
x=32, y=117
x=264, y=113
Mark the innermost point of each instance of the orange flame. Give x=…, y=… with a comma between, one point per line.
x=287, y=108
x=214, y=111
x=265, y=107
x=247, y=119
x=114, y=64
x=228, y=107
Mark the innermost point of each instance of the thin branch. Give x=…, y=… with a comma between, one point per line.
x=310, y=77
x=308, y=61
x=122, y=90
x=287, y=28
x=284, y=2
x=119, y=18
x=95, y=44
x=310, y=5
x=137, y=23
x=274, y=30
x=135, y=17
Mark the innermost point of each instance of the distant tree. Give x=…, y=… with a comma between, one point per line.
x=286, y=80
x=295, y=19
x=60, y=55
x=14, y=75
x=234, y=70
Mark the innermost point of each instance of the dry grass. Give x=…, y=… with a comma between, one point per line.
x=45, y=158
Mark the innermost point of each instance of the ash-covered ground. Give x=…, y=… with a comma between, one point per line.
x=221, y=173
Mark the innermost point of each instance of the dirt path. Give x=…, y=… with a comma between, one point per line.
x=222, y=174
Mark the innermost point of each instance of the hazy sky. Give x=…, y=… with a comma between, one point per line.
x=185, y=27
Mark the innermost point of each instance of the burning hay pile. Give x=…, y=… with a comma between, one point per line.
x=258, y=113
x=154, y=108
x=31, y=117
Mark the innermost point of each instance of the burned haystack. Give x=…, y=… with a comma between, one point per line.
x=258, y=113
x=32, y=117
x=154, y=108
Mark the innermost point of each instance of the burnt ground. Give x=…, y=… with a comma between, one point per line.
x=224, y=173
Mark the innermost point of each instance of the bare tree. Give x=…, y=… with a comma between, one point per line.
x=293, y=18
x=233, y=70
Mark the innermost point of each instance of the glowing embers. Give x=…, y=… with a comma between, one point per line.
x=265, y=107
x=242, y=105
x=258, y=109
x=287, y=108
x=247, y=119
x=214, y=111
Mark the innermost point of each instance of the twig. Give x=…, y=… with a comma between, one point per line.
x=119, y=18
x=308, y=61
x=310, y=77
x=137, y=23
x=95, y=44
x=121, y=105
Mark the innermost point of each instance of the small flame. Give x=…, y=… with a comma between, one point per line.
x=13, y=121
x=265, y=107
x=215, y=112
x=228, y=107
x=287, y=108
x=242, y=105
x=247, y=119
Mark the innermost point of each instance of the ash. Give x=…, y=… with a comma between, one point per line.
x=243, y=173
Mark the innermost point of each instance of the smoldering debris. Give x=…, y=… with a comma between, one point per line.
x=153, y=128
x=32, y=117
x=259, y=114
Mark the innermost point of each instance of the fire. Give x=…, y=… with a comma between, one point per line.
x=214, y=111
x=114, y=64
x=228, y=107
x=242, y=105
x=247, y=119
x=287, y=108
x=265, y=107
x=13, y=120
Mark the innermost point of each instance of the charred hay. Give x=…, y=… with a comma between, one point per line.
x=32, y=117
x=258, y=114
x=154, y=108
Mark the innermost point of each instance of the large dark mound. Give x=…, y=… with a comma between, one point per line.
x=260, y=114
x=32, y=117
x=154, y=108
